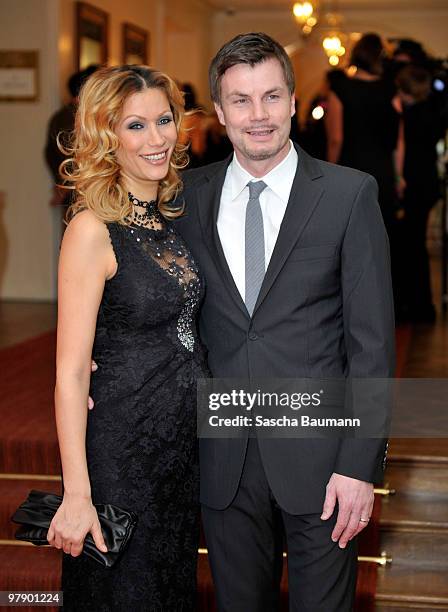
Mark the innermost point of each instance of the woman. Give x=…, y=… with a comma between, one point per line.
x=425, y=122
x=363, y=126
x=128, y=294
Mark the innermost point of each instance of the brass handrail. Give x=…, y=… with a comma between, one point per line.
x=384, y=559
x=386, y=490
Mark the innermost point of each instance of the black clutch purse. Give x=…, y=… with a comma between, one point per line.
x=34, y=516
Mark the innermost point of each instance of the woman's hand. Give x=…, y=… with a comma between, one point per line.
x=74, y=519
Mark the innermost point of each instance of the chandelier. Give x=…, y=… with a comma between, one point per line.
x=334, y=39
x=304, y=14
x=334, y=48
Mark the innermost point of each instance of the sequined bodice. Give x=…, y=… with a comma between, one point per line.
x=168, y=251
x=152, y=301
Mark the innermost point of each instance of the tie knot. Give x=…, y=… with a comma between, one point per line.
x=255, y=188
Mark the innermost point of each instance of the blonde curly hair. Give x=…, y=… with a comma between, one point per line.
x=92, y=168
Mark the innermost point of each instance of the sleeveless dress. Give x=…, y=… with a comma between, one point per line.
x=141, y=435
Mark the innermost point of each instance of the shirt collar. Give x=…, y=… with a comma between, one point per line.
x=279, y=179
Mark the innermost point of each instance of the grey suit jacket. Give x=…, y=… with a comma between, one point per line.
x=325, y=309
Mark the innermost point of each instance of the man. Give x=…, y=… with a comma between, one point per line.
x=61, y=124
x=296, y=263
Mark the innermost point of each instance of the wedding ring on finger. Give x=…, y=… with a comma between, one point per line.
x=362, y=520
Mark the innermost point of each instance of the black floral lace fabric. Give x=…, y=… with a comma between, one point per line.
x=141, y=436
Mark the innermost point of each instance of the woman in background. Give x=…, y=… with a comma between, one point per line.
x=425, y=124
x=363, y=125
x=129, y=291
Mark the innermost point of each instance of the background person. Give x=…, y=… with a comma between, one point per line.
x=363, y=125
x=194, y=125
x=61, y=124
x=425, y=123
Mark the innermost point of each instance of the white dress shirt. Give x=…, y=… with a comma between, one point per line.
x=232, y=211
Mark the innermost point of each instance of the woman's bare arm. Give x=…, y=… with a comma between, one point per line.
x=400, y=149
x=86, y=261
x=334, y=125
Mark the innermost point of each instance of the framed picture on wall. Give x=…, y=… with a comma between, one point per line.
x=19, y=76
x=135, y=45
x=92, y=26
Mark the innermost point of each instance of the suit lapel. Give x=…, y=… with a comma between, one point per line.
x=305, y=195
x=209, y=198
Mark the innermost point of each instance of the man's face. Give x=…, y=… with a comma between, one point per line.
x=256, y=109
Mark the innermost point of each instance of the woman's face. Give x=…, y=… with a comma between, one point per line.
x=148, y=135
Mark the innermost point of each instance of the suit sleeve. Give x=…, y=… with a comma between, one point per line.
x=369, y=328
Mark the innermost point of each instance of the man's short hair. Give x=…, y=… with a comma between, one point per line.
x=252, y=49
x=77, y=80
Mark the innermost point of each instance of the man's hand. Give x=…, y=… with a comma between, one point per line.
x=90, y=402
x=355, y=500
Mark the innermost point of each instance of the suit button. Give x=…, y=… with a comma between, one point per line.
x=253, y=335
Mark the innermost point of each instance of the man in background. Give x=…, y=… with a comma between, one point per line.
x=62, y=124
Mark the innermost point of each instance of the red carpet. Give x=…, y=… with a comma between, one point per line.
x=403, y=339
x=28, y=442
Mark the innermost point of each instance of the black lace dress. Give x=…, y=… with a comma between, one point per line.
x=141, y=435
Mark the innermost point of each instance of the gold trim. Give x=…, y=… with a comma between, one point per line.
x=204, y=551
x=382, y=560
x=386, y=490
x=30, y=477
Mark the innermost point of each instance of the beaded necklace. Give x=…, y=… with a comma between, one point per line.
x=150, y=217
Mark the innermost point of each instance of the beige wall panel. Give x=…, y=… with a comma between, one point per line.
x=26, y=221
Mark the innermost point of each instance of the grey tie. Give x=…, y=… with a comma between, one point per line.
x=254, y=250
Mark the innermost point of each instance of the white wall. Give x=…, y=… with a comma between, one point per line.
x=26, y=222
x=187, y=43
x=277, y=23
